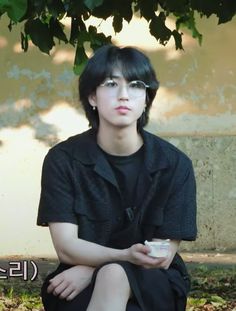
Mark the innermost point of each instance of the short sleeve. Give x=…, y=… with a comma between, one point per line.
x=180, y=211
x=57, y=193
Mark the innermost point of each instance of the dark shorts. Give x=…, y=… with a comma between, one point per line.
x=152, y=289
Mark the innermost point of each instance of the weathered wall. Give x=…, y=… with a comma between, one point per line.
x=214, y=161
x=195, y=109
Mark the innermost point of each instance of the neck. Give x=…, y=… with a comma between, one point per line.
x=124, y=141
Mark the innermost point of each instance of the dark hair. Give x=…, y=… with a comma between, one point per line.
x=133, y=64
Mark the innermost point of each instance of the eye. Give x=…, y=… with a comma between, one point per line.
x=137, y=85
x=110, y=83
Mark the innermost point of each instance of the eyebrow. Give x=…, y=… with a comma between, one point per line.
x=115, y=76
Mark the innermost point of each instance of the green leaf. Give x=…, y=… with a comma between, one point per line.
x=226, y=11
x=83, y=36
x=175, y=6
x=40, y=35
x=178, y=39
x=217, y=299
x=77, y=26
x=3, y=6
x=147, y=8
x=14, y=9
x=80, y=60
x=117, y=23
x=92, y=4
x=104, y=11
x=124, y=9
x=24, y=42
x=159, y=30
x=56, y=29
x=206, y=7
x=197, y=302
x=56, y=7
x=97, y=39
x=188, y=20
x=74, y=30
x=37, y=6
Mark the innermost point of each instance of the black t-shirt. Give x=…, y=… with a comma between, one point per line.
x=127, y=170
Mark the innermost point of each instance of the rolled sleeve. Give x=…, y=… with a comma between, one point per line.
x=180, y=210
x=57, y=193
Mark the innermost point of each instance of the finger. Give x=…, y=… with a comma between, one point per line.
x=66, y=292
x=165, y=264
x=153, y=262
x=161, y=263
x=143, y=248
x=73, y=295
x=60, y=289
x=53, y=283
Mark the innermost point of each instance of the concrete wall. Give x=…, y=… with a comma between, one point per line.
x=195, y=109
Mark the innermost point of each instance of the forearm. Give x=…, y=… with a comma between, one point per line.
x=72, y=250
x=81, y=252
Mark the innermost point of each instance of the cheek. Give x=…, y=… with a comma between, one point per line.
x=140, y=107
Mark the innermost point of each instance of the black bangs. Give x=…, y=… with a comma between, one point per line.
x=133, y=65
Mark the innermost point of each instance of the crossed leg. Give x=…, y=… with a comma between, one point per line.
x=111, y=290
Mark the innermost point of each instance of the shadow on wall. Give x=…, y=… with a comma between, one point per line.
x=32, y=84
x=197, y=94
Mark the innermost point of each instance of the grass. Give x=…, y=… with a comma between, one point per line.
x=213, y=289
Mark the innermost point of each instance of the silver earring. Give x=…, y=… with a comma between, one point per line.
x=94, y=108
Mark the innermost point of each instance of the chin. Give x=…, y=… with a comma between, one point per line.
x=123, y=125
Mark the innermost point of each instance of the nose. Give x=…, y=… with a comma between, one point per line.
x=123, y=92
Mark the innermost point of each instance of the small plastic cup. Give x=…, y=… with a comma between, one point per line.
x=158, y=248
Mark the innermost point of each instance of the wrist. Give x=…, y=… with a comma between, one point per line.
x=124, y=256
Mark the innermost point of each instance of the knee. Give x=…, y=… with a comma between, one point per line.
x=112, y=274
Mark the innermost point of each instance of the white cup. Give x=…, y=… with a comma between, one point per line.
x=158, y=248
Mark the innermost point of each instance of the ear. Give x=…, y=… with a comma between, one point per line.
x=92, y=100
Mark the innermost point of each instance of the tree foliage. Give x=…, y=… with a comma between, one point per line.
x=43, y=25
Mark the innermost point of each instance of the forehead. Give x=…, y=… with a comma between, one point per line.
x=116, y=74
x=121, y=72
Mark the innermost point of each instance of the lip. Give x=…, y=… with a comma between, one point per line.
x=122, y=108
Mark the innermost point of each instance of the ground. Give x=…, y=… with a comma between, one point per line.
x=213, y=282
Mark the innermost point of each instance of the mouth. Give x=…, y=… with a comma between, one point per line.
x=124, y=108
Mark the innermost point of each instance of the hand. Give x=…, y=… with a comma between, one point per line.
x=165, y=263
x=138, y=255
x=70, y=282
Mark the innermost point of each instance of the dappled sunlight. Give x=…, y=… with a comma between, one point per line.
x=67, y=120
x=22, y=103
x=3, y=42
x=165, y=102
x=20, y=167
x=18, y=49
x=63, y=56
x=21, y=160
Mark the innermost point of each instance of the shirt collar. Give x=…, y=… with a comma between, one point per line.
x=85, y=149
x=155, y=157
